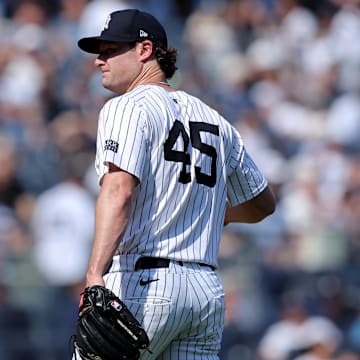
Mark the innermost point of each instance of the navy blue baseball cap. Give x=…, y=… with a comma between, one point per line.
x=129, y=25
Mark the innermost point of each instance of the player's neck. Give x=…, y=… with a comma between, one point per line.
x=151, y=76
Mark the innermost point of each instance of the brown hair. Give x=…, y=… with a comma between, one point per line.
x=166, y=59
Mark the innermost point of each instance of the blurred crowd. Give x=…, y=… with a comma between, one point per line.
x=286, y=73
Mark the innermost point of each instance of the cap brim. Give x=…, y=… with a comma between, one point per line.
x=92, y=44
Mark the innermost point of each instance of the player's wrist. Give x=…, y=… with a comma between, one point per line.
x=94, y=279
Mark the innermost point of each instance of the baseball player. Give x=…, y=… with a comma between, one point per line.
x=172, y=172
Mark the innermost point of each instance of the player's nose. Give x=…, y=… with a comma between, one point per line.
x=99, y=61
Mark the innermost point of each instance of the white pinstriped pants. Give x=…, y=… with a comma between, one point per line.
x=182, y=309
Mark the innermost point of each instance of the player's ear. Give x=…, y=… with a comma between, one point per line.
x=146, y=49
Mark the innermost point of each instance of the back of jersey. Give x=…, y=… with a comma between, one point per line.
x=181, y=202
x=184, y=154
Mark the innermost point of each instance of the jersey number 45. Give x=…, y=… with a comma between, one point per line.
x=178, y=130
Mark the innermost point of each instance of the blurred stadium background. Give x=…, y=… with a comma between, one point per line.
x=286, y=73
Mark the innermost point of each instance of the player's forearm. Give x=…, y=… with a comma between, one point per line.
x=252, y=211
x=111, y=221
x=112, y=214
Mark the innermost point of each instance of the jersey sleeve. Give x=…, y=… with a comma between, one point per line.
x=121, y=137
x=245, y=180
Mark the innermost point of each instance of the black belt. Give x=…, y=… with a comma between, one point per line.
x=155, y=263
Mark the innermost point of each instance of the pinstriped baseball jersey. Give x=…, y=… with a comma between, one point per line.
x=189, y=161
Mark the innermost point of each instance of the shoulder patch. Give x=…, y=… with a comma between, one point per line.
x=111, y=145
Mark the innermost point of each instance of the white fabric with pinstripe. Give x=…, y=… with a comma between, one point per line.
x=189, y=161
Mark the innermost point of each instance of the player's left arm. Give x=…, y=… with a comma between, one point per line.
x=254, y=210
x=113, y=209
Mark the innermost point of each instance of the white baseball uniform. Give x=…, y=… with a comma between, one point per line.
x=189, y=161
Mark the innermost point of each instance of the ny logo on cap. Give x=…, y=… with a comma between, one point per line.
x=106, y=26
x=143, y=33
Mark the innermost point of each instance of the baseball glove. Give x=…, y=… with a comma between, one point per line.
x=106, y=329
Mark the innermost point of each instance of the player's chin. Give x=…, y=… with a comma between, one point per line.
x=106, y=79
x=107, y=84
x=112, y=87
